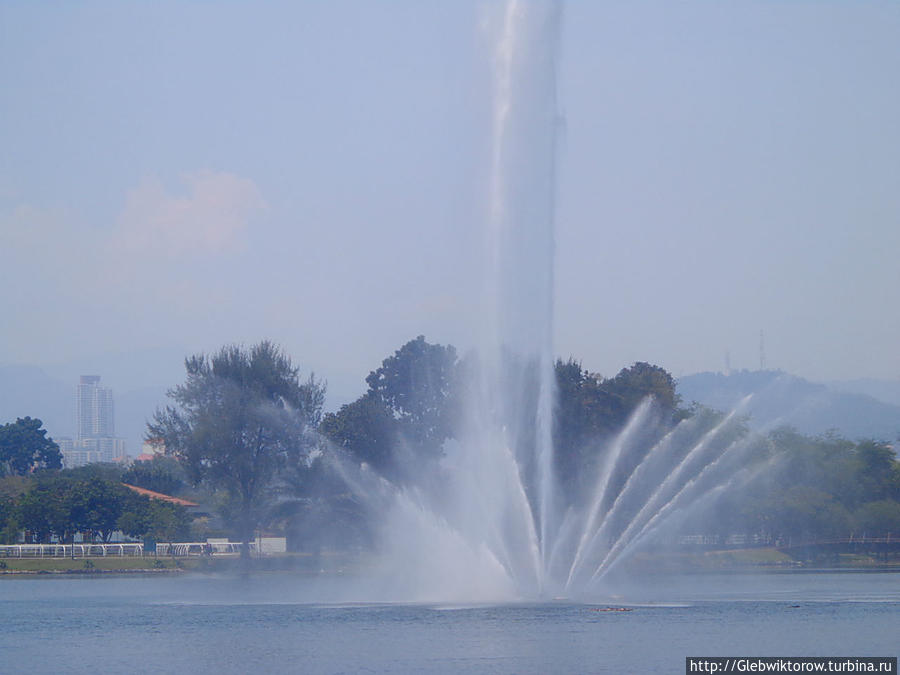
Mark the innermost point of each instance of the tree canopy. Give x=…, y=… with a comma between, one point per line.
x=824, y=487
x=418, y=385
x=411, y=399
x=365, y=428
x=240, y=419
x=590, y=408
x=63, y=505
x=25, y=447
x=160, y=474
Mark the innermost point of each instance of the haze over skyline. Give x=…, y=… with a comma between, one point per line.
x=177, y=176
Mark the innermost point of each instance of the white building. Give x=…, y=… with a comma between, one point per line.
x=94, y=410
x=95, y=428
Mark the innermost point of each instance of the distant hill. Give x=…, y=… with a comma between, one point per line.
x=783, y=399
x=887, y=391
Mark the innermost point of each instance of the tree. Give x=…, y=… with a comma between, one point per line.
x=9, y=523
x=418, y=384
x=108, y=471
x=875, y=462
x=878, y=518
x=97, y=505
x=160, y=474
x=241, y=417
x=158, y=520
x=134, y=518
x=45, y=510
x=590, y=409
x=167, y=522
x=63, y=506
x=411, y=404
x=634, y=384
x=24, y=448
x=366, y=428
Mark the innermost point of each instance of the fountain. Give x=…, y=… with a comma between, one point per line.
x=490, y=523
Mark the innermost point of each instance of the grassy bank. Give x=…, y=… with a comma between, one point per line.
x=85, y=565
x=305, y=563
x=750, y=559
x=351, y=564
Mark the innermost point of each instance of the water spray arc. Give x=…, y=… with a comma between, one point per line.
x=493, y=521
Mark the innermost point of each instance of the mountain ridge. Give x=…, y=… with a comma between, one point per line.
x=781, y=399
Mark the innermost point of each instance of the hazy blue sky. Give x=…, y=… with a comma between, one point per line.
x=175, y=176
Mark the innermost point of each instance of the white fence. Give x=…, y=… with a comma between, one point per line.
x=264, y=546
x=191, y=548
x=67, y=550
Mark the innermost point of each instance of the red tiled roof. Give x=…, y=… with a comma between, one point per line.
x=160, y=496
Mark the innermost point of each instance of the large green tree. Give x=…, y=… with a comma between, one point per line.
x=53, y=506
x=411, y=401
x=365, y=428
x=591, y=408
x=241, y=419
x=25, y=447
x=418, y=384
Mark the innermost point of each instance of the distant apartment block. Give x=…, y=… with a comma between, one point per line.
x=95, y=428
x=94, y=410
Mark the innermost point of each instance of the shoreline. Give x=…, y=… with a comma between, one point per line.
x=83, y=573
x=339, y=564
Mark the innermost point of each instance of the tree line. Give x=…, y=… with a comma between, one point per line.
x=825, y=487
x=247, y=430
x=60, y=505
x=47, y=502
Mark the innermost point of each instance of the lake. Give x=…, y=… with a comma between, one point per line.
x=287, y=623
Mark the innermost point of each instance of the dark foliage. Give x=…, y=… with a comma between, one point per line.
x=241, y=420
x=25, y=447
x=160, y=474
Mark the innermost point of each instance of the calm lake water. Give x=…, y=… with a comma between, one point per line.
x=288, y=623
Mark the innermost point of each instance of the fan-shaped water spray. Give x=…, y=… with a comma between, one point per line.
x=490, y=522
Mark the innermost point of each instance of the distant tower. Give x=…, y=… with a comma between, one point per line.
x=94, y=413
x=95, y=428
x=762, y=351
x=727, y=362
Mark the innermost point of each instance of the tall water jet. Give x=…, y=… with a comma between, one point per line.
x=517, y=349
x=492, y=505
x=483, y=522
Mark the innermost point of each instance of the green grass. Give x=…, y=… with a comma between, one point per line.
x=80, y=565
x=748, y=556
x=738, y=559
x=296, y=562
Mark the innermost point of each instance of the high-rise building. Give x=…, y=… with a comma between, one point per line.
x=94, y=411
x=95, y=428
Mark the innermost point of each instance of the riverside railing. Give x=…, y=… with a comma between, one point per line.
x=70, y=550
x=193, y=548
